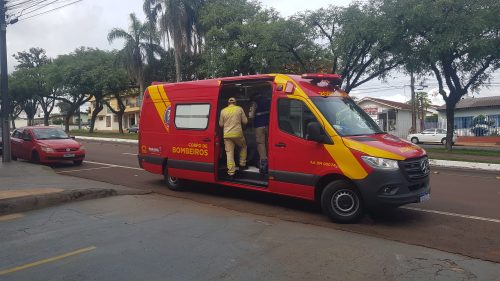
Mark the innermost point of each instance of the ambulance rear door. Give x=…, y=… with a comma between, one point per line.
x=192, y=151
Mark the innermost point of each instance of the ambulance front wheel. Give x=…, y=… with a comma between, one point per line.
x=173, y=183
x=341, y=202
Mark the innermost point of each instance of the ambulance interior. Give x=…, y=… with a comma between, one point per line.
x=243, y=92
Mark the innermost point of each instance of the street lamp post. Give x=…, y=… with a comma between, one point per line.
x=6, y=154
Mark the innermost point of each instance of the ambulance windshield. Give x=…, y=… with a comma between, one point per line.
x=346, y=117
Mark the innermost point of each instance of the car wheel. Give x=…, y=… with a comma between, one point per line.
x=35, y=157
x=77, y=162
x=173, y=183
x=13, y=157
x=414, y=140
x=443, y=141
x=341, y=202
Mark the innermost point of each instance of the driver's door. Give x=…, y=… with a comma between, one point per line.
x=427, y=135
x=293, y=160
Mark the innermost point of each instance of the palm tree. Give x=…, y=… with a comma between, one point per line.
x=151, y=10
x=180, y=21
x=138, y=42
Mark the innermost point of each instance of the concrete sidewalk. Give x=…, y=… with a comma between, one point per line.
x=25, y=186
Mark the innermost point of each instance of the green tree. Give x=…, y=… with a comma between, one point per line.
x=23, y=89
x=358, y=40
x=179, y=21
x=35, y=60
x=457, y=41
x=136, y=48
x=243, y=38
x=77, y=75
x=422, y=104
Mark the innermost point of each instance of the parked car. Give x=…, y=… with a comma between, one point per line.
x=431, y=136
x=133, y=129
x=45, y=145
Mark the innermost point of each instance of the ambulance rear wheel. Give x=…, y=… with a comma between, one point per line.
x=173, y=183
x=341, y=202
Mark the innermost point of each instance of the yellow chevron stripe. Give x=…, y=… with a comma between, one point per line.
x=339, y=152
x=161, y=102
x=373, y=151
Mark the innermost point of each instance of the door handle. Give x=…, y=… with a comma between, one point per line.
x=280, y=144
x=206, y=140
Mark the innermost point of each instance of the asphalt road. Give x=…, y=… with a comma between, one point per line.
x=154, y=237
x=463, y=215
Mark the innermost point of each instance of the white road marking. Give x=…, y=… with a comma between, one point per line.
x=88, y=169
x=113, y=165
x=452, y=214
x=126, y=153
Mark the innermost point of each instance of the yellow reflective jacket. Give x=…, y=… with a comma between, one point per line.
x=231, y=119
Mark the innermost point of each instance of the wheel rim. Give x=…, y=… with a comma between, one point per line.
x=414, y=140
x=173, y=180
x=345, y=202
x=444, y=141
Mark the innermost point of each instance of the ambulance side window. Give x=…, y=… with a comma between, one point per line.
x=293, y=117
x=192, y=116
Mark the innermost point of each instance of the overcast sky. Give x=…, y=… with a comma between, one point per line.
x=88, y=22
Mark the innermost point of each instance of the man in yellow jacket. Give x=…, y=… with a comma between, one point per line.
x=231, y=119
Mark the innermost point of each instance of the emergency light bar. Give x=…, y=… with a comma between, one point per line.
x=334, y=79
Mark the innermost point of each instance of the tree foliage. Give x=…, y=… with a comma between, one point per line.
x=358, y=42
x=457, y=41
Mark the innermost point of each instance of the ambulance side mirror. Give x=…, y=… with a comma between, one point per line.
x=317, y=134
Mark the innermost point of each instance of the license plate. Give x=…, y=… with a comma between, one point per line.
x=425, y=197
x=68, y=155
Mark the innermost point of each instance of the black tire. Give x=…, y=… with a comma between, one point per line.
x=77, y=162
x=414, y=140
x=443, y=141
x=341, y=202
x=35, y=158
x=172, y=183
x=13, y=157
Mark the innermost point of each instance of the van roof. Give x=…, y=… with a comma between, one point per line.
x=307, y=84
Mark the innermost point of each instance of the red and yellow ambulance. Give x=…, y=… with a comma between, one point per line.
x=321, y=145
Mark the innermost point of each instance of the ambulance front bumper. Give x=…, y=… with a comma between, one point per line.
x=382, y=187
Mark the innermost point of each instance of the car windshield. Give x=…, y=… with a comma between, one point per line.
x=49, y=134
x=346, y=117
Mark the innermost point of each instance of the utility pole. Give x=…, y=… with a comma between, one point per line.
x=6, y=154
x=413, y=104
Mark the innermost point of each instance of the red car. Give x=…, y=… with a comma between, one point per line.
x=45, y=145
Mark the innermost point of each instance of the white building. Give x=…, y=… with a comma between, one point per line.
x=467, y=109
x=393, y=117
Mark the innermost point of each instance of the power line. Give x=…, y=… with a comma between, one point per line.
x=51, y=10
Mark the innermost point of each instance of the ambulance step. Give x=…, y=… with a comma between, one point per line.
x=256, y=183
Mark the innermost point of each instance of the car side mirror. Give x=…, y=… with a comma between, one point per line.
x=317, y=134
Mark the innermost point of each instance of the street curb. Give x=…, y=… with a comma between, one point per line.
x=32, y=202
x=466, y=165
x=107, y=139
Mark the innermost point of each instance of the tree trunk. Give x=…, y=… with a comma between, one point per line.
x=177, y=57
x=119, y=114
x=96, y=111
x=46, y=116
x=450, y=125
x=67, y=118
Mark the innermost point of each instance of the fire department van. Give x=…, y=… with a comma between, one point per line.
x=321, y=146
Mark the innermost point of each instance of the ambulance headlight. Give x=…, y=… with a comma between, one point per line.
x=381, y=163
